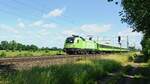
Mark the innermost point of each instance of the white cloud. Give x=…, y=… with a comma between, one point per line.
x=42, y=24
x=43, y=32
x=55, y=13
x=8, y=29
x=37, y=23
x=49, y=25
x=21, y=25
x=128, y=32
x=69, y=32
x=133, y=37
x=94, y=28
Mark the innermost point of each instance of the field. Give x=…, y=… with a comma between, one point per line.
x=82, y=72
x=110, y=69
x=4, y=53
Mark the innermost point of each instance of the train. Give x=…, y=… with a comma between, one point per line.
x=78, y=45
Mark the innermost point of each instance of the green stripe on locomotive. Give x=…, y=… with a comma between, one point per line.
x=102, y=47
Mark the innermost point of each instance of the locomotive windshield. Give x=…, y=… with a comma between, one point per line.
x=70, y=40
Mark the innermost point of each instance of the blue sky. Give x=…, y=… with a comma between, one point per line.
x=49, y=22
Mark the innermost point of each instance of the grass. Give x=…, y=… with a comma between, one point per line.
x=81, y=72
x=123, y=58
x=4, y=53
x=84, y=71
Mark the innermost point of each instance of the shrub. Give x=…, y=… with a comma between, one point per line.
x=130, y=58
x=3, y=54
x=28, y=54
x=149, y=62
x=46, y=51
x=20, y=55
x=146, y=47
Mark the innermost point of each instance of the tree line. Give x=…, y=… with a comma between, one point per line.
x=13, y=45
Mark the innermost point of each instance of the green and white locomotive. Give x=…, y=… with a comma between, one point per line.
x=79, y=45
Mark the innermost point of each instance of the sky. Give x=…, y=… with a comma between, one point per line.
x=47, y=23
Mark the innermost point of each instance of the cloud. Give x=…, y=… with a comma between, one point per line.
x=134, y=37
x=21, y=25
x=87, y=29
x=69, y=32
x=49, y=25
x=7, y=29
x=37, y=23
x=94, y=28
x=128, y=32
x=55, y=13
x=43, y=32
x=42, y=24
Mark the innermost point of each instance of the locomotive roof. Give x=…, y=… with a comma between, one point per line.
x=74, y=36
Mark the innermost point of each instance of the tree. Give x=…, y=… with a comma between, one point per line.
x=13, y=45
x=33, y=47
x=4, y=45
x=136, y=13
x=146, y=47
x=54, y=48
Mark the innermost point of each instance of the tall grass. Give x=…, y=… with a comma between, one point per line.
x=82, y=72
x=4, y=53
x=123, y=58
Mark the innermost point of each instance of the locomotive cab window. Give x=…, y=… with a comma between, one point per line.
x=70, y=40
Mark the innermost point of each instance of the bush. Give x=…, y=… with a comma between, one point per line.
x=149, y=62
x=20, y=55
x=146, y=47
x=130, y=58
x=3, y=54
x=28, y=54
x=46, y=51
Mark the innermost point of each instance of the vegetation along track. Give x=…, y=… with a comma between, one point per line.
x=30, y=59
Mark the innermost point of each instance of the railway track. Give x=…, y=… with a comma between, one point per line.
x=28, y=59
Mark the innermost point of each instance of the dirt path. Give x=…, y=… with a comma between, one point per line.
x=130, y=74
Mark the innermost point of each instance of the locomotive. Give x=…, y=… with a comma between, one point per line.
x=79, y=45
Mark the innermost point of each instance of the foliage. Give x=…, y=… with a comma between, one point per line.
x=13, y=46
x=146, y=47
x=3, y=54
x=77, y=73
x=136, y=13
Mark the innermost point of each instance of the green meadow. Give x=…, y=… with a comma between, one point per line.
x=5, y=53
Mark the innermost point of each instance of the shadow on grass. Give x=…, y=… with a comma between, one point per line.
x=129, y=75
x=6, y=69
